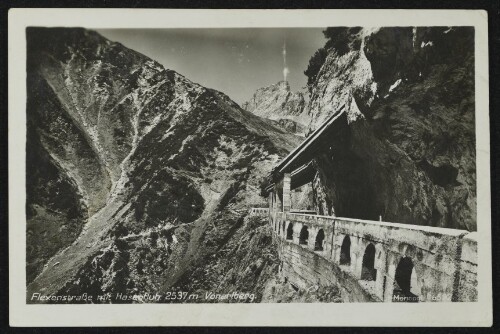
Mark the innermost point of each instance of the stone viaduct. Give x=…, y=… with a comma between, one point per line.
x=369, y=260
x=376, y=261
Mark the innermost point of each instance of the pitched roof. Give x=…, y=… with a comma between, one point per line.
x=292, y=160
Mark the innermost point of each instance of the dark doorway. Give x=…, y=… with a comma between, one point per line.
x=289, y=232
x=318, y=245
x=368, y=271
x=304, y=235
x=403, y=280
x=345, y=251
x=284, y=224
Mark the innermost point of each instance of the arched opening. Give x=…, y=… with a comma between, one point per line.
x=345, y=251
x=318, y=245
x=368, y=271
x=304, y=235
x=403, y=281
x=289, y=232
x=284, y=225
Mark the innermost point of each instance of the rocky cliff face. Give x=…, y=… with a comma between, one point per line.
x=126, y=191
x=278, y=103
x=407, y=150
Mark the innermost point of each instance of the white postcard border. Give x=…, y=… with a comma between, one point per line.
x=319, y=314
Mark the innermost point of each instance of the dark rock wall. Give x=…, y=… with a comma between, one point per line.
x=409, y=154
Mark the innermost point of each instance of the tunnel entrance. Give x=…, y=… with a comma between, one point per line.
x=368, y=271
x=289, y=232
x=403, y=281
x=304, y=235
x=348, y=182
x=318, y=245
x=345, y=251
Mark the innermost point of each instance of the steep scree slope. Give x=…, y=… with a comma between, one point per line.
x=135, y=174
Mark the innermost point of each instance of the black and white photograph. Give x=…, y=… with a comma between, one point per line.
x=332, y=164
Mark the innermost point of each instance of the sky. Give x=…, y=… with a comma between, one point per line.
x=236, y=61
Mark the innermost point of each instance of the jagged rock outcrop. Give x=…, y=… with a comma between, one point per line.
x=126, y=191
x=278, y=103
x=407, y=151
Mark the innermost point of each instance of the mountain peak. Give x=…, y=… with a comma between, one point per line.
x=276, y=101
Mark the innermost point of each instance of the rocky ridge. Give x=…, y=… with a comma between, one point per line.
x=127, y=193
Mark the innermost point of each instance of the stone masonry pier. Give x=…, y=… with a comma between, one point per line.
x=376, y=261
